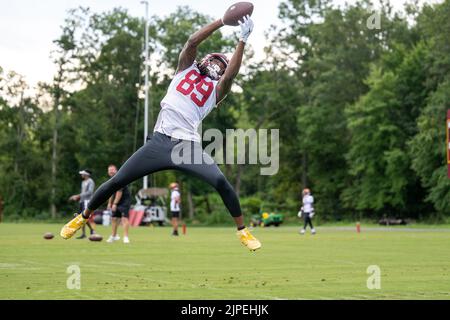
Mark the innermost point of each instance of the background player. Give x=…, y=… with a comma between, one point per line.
x=195, y=90
x=119, y=204
x=175, y=201
x=87, y=190
x=307, y=211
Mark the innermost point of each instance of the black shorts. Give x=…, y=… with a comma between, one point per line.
x=81, y=208
x=175, y=214
x=121, y=212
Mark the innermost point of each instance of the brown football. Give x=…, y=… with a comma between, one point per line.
x=95, y=237
x=236, y=12
x=48, y=235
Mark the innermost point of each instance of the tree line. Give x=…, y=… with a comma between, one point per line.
x=361, y=111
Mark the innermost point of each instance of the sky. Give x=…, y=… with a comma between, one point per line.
x=28, y=27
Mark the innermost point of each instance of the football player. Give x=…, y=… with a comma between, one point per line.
x=307, y=211
x=175, y=201
x=196, y=89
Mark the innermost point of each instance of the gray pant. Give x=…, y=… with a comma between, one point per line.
x=154, y=156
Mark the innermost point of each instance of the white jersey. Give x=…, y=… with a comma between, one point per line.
x=188, y=101
x=174, y=206
x=308, y=201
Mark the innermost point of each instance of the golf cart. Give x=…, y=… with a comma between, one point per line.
x=266, y=219
x=152, y=203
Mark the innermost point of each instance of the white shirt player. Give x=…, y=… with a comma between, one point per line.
x=174, y=205
x=308, y=201
x=189, y=99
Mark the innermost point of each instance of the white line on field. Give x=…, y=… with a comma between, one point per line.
x=272, y=298
x=386, y=229
x=10, y=265
x=83, y=295
x=126, y=264
x=45, y=264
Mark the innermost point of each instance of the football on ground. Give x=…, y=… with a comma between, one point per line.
x=95, y=237
x=48, y=235
x=236, y=12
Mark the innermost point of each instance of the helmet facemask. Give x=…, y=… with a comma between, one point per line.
x=209, y=68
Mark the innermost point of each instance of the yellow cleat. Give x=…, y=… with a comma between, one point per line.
x=72, y=226
x=248, y=240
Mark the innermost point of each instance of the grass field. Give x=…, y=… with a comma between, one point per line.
x=210, y=263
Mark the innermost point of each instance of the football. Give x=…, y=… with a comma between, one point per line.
x=236, y=12
x=95, y=237
x=48, y=235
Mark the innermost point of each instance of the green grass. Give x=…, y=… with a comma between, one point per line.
x=209, y=263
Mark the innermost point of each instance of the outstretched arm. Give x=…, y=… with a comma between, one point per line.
x=187, y=55
x=226, y=80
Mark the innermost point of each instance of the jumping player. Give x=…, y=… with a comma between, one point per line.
x=196, y=89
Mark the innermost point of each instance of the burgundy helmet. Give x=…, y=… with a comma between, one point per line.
x=207, y=68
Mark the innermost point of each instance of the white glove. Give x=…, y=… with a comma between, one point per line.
x=311, y=214
x=299, y=214
x=246, y=28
